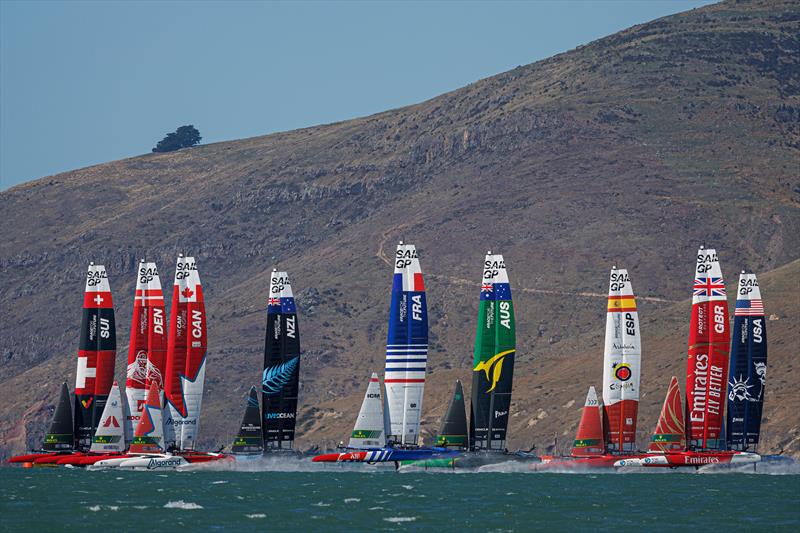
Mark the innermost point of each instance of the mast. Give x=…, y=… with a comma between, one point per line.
x=406, y=346
x=194, y=374
x=707, y=369
x=96, y=355
x=148, y=342
x=621, y=365
x=748, y=367
x=589, y=438
x=453, y=433
x=368, y=430
x=669, y=435
x=60, y=435
x=249, y=439
x=495, y=351
x=281, y=376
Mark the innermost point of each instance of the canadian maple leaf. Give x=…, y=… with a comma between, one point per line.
x=187, y=292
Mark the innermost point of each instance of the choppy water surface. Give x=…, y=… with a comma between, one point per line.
x=59, y=499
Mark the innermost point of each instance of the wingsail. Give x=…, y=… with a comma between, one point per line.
x=148, y=342
x=186, y=354
x=368, y=431
x=589, y=438
x=406, y=347
x=281, y=375
x=621, y=365
x=453, y=433
x=748, y=367
x=707, y=370
x=96, y=355
x=493, y=363
x=249, y=439
x=669, y=435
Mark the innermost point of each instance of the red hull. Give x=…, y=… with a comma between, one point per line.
x=691, y=458
x=550, y=462
x=30, y=457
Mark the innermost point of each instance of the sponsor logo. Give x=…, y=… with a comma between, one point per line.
x=273, y=416
x=276, y=377
x=622, y=371
x=164, y=463
x=147, y=274
x=498, y=414
x=94, y=277
x=494, y=365
x=111, y=421
x=86, y=403
x=618, y=280
x=403, y=257
x=702, y=460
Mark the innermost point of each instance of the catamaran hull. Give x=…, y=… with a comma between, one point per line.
x=31, y=457
x=579, y=463
x=383, y=455
x=474, y=460
x=684, y=459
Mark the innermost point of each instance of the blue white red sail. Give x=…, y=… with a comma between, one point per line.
x=748, y=371
x=406, y=347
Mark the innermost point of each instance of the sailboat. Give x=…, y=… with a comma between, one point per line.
x=495, y=350
x=368, y=442
x=406, y=363
x=148, y=343
x=59, y=441
x=249, y=440
x=707, y=370
x=748, y=368
x=281, y=375
x=96, y=356
x=186, y=357
x=621, y=371
x=109, y=439
x=454, y=433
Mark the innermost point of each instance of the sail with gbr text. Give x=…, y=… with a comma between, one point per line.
x=709, y=342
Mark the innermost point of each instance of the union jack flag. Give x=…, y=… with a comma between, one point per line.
x=274, y=301
x=709, y=287
x=487, y=287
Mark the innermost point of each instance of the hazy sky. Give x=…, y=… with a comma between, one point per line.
x=87, y=82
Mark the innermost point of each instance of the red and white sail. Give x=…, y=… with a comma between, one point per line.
x=186, y=353
x=96, y=355
x=709, y=342
x=149, y=434
x=110, y=434
x=669, y=434
x=621, y=365
x=589, y=438
x=148, y=342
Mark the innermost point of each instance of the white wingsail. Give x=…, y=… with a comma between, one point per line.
x=368, y=431
x=621, y=365
x=110, y=434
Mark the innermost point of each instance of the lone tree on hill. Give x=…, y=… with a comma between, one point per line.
x=183, y=137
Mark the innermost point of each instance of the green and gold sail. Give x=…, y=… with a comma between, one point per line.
x=493, y=364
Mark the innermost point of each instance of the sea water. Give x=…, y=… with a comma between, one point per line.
x=302, y=497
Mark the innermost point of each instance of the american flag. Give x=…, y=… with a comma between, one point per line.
x=749, y=308
x=486, y=287
x=274, y=301
x=709, y=287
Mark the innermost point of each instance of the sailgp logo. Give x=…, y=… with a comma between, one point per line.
x=495, y=366
x=276, y=377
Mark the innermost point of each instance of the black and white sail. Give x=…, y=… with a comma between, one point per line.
x=249, y=439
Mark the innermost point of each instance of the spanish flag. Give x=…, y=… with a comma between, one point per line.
x=621, y=304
